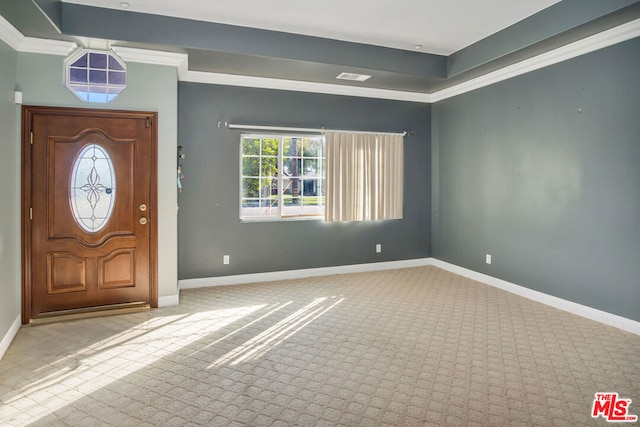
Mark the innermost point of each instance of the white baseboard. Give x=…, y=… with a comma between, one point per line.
x=550, y=300
x=299, y=274
x=169, y=300
x=10, y=335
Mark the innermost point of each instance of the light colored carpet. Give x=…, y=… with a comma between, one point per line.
x=410, y=347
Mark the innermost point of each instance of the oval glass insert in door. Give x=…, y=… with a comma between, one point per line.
x=92, y=188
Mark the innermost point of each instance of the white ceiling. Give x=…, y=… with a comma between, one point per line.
x=439, y=26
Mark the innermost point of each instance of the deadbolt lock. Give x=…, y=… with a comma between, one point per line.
x=143, y=220
x=143, y=207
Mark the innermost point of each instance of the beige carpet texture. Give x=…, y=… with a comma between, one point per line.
x=408, y=347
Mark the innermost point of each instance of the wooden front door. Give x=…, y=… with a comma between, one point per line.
x=89, y=208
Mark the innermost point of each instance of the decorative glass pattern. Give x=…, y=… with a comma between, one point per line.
x=93, y=185
x=96, y=76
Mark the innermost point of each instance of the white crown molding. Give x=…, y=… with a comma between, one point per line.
x=46, y=47
x=18, y=42
x=155, y=57
x=615, y=35
x=9, y=34
x=302, y=86
x=589, y=44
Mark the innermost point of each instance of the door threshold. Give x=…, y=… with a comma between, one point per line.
x=86, y=313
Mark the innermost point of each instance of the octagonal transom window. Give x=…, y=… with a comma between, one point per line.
x=95, y=76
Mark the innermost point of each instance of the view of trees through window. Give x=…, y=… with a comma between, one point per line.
x=282, y=176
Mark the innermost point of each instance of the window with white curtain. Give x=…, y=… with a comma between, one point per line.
x=341, y=176
x=364, y=176
x=282, y=177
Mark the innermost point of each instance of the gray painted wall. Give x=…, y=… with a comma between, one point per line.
x=543, y=172
x=9, y=192
x=208, y=219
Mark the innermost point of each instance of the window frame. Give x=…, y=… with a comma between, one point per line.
x=96, y=92
x=280, y=178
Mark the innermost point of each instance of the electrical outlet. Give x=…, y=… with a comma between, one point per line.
x=487, y=259
x=378, y=248
x=225, y=259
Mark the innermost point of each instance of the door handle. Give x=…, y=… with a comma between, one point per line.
x=143, y=220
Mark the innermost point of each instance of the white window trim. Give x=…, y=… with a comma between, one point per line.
x=280, y=218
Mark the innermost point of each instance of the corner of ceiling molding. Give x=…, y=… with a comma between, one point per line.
x=587, y=45
x=183, y=66
x=47, y=16
x=18, y=42
x=10, y=35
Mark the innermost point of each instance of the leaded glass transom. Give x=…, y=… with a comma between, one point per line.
x=96, y=76
x=93, y=185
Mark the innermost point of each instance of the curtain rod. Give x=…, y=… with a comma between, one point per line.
x=288, y=129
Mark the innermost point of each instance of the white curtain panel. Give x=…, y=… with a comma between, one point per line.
x=364, y=176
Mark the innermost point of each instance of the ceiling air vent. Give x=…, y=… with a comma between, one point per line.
x=353, y=77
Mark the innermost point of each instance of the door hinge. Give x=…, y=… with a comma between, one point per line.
x=147, y=123
x=31, y=138
x=30, y=213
